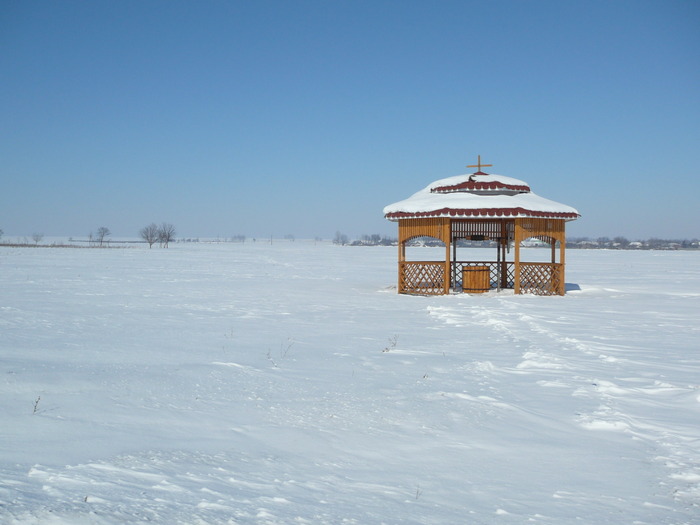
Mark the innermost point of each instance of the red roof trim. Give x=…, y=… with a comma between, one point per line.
x=476, y=185
x=482, y=212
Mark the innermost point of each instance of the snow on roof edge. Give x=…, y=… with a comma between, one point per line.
x=427, y=203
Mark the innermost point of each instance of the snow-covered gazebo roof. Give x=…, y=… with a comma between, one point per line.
x=478, y=195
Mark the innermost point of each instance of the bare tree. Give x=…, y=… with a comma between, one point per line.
x=166, y=233
x=1, y=232
x=340, y=238
x=102, y=232
x=37, y=237
x=150, y=234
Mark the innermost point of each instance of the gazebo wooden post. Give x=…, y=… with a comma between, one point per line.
x=498, y=265
x=562, y=261
x=448, y=263
x=453, y=272
x=402, y=260
x=518, y=239
x=504, y=262
x=553, y=246
x=444, y=233
x=502, y=243
x=555, y=270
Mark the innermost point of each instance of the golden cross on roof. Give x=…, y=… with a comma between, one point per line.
x=479, y=165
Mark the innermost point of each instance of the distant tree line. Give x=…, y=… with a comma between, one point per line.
x=622, y=243
x=365, y=240
x=374, y=240
x=616, y=243
x=164, y=234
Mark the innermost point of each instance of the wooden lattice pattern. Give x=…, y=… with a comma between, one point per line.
x=540, y=278
x=422, y=278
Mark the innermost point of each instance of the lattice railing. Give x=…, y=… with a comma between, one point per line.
x=426, y=277
x=507, y=277
x=541, y=278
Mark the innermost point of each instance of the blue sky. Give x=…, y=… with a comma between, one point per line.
x=308, y=117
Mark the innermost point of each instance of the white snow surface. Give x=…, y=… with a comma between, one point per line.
x=426, y=201
x=290, y=383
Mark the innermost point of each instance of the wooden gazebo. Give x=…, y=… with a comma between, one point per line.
x=481, y=207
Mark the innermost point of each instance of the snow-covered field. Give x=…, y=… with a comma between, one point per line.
x=289, y=383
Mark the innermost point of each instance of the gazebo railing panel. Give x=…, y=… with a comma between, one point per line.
x=507, y=273
x=422, y=277
x=428, y=277
x=541, y=278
